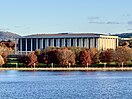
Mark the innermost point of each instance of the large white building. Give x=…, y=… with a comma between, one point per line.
x=88, y=40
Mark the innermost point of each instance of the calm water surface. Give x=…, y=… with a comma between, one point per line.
x=65, y=85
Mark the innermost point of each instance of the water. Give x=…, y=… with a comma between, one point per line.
x=65, y=85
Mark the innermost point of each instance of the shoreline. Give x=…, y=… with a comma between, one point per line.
x=73, y=69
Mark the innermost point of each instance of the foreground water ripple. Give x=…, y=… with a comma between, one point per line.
x=65, y=85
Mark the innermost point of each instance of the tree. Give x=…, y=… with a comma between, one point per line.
x=4, y=55
x=94, y=54
x=84, y=57
x=65, y=56
x=1, y=61
x=50, y=48
x=76, y=50
x=38, y=52
x=52, y=57
x=106, y=56
x=122, y=55
x=28, y=60
x=32, y=59
x=130, y=43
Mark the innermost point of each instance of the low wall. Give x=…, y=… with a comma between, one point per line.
x=73, y=69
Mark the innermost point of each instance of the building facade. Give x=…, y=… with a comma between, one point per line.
x=30, y=43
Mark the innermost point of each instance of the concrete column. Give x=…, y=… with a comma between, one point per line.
x=42, y=45
x=58, y=42
x=75, y=42
x=97, y=43
x=69, y=42
x=46, y=42
x=111, y=43
x=36, y=43
x=63, y=42
x=85, y=42
x=53, y=42
x=81, y=42
x=103, y=43
x=106, y=43
x=114, y=43
x=91, y=43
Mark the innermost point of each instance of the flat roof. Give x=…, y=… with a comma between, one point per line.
x=66, y=35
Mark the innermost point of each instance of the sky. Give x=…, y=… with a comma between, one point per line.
x=26, y=17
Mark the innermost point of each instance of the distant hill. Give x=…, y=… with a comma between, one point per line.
x=8, y=35
x=124, y=35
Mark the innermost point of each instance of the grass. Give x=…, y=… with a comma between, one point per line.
x=42, y=65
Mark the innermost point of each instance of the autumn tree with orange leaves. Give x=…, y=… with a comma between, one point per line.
x=94, y=54
x=65, y=56
x=84, y=57
x=32, y=59
x=106, y=56
x=1, y=61
x=122, y=55
x=29, y=60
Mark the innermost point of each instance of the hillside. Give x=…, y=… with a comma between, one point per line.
x=8, y=36
x=124, y=35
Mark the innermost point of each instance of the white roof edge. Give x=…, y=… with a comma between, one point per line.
x=57, y=36
x=109, y=36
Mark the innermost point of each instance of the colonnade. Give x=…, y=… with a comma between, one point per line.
x=30, y=44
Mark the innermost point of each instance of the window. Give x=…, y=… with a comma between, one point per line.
x=34, y=44
x=28, y=44
x=23, y=44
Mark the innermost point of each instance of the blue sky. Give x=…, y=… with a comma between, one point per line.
x=56, y=16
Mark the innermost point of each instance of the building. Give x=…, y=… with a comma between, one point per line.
x=88, y=40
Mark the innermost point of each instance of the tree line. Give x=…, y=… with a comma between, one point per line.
x=64, y=56
x=73, y=56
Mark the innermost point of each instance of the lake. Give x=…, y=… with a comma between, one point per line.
x=65, y=85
